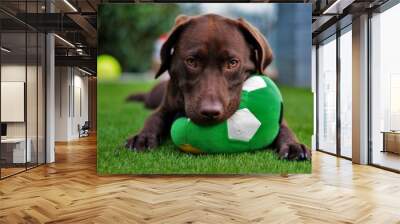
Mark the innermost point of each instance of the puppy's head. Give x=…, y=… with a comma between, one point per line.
x=208, y=58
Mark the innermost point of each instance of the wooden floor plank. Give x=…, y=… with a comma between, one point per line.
x=70, y=191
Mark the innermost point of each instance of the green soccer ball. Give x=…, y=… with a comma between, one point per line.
x=255, y=125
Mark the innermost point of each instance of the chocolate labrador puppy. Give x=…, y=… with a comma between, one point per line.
x=208, y=58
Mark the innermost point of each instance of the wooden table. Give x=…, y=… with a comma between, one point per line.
x=391, y=141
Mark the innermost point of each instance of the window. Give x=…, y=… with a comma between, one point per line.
x=335, y=137
x=385, y=89
x=346, y=92
x=327, y=95
x=22, y=78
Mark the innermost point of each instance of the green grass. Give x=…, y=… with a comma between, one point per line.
x=118, y=120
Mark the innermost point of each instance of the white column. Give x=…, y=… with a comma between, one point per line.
x=360, y=90
x=50, y=100
x=50, y=93
x=314, y=91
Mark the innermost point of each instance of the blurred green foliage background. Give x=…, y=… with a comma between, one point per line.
x=124, y=33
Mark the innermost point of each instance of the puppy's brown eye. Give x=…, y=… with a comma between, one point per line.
x=232, y=63
x=191, y=61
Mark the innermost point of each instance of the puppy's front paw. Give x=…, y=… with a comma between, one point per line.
x=143, y=141
x=294, y=151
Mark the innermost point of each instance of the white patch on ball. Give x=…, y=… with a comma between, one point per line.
x=242, y=125
x=254, y=83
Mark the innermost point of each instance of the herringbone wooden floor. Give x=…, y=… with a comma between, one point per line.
x=69, y=191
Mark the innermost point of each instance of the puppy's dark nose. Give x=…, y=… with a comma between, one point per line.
x=211, y=110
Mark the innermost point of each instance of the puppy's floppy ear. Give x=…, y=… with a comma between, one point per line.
x=181, y=19
x=166, y=50
x=263, y=52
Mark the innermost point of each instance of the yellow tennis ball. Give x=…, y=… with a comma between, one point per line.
x=108, y=68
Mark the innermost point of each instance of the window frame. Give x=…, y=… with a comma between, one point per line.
x=333, y=33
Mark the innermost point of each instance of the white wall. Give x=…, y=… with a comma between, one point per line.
x=71, y=93
x=33, y=126
x=62, y=81
x=80, y=110
x=16, y=73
